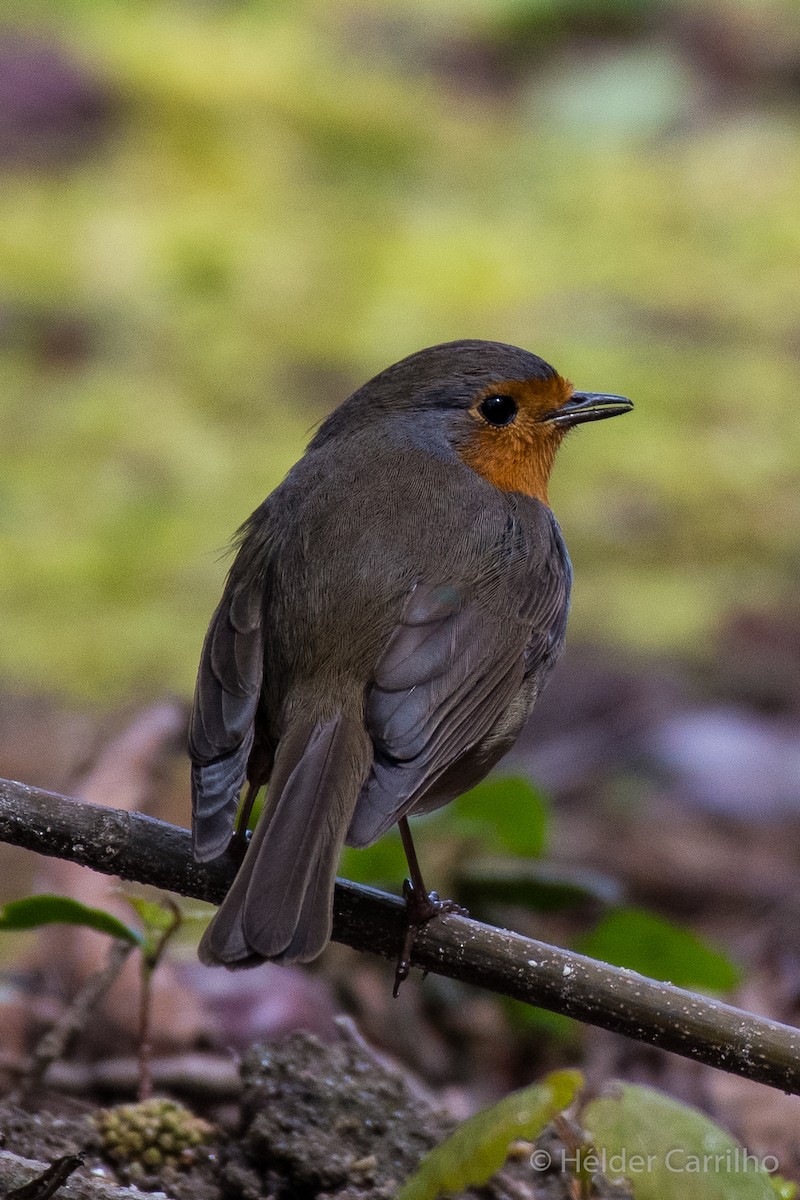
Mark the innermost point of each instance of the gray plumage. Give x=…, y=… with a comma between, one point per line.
x=385, y=628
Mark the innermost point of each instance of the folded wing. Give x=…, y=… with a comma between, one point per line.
x=223, y=715
x=457, y=680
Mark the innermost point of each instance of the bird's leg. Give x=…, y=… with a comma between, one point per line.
x=238, y=843
x=421, y=905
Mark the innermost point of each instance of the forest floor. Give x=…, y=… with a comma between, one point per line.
x=677, y=789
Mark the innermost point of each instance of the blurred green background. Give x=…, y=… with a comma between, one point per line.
x=217, y=219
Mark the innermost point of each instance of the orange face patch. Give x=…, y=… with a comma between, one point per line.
x=518, y=456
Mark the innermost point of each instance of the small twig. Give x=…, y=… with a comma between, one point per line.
x=151, y=957
x=144, y=1089
x=44, y=1186
x=16, y=1172
x=76, y=1015
x=138, y=847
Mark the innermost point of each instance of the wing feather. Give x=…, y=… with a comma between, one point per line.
x=460, y=672
x=221, y=730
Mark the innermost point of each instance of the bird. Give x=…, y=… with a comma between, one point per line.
x=393, y=610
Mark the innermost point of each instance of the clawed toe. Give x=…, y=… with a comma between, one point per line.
x=421, y=907
x=446, y=906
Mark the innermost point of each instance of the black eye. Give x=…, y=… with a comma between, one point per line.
x=498, y=410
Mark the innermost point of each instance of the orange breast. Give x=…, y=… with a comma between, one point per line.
x=519, y=457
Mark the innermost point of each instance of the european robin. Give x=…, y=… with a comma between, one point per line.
x=393, y=611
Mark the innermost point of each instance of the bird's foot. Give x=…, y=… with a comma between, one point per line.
x=420, y=908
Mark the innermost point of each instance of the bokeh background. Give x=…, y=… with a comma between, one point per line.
x=216, y=220
x=219, y=218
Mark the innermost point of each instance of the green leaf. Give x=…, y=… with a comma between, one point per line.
x=668, y=1151
x=479, y=1147
x=154, y=916
x=200, y=910
x=382, y=863
x=507, y=812
x=502, y=814
x=256, y=810
x=34, y=911
x=540, y=885
x=527, y=1018
x=161, y=920
x=631, y=937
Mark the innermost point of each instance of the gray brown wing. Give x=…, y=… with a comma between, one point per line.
x=460, y=669
x=223, y=714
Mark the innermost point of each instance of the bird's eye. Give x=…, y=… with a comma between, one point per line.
x=498, y=410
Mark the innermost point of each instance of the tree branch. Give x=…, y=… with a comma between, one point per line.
x=138, y=847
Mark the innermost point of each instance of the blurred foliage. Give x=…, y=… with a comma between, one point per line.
x=537, y=883
x=643, y=942
x=508, y=816
x=504, y=813
x=252, y=207
x=660, y=1148
x=672, y=1152
x=480, y=1145
x=32, y=912
x=161, y=920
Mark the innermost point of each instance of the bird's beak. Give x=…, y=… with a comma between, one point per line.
x=586, y=406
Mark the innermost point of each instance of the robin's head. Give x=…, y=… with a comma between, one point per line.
x=518, y=424
x=503, y=410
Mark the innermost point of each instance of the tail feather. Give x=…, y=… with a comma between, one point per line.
x=314, y=923
x=280, y=904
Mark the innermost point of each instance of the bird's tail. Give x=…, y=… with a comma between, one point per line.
x=280, y=904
